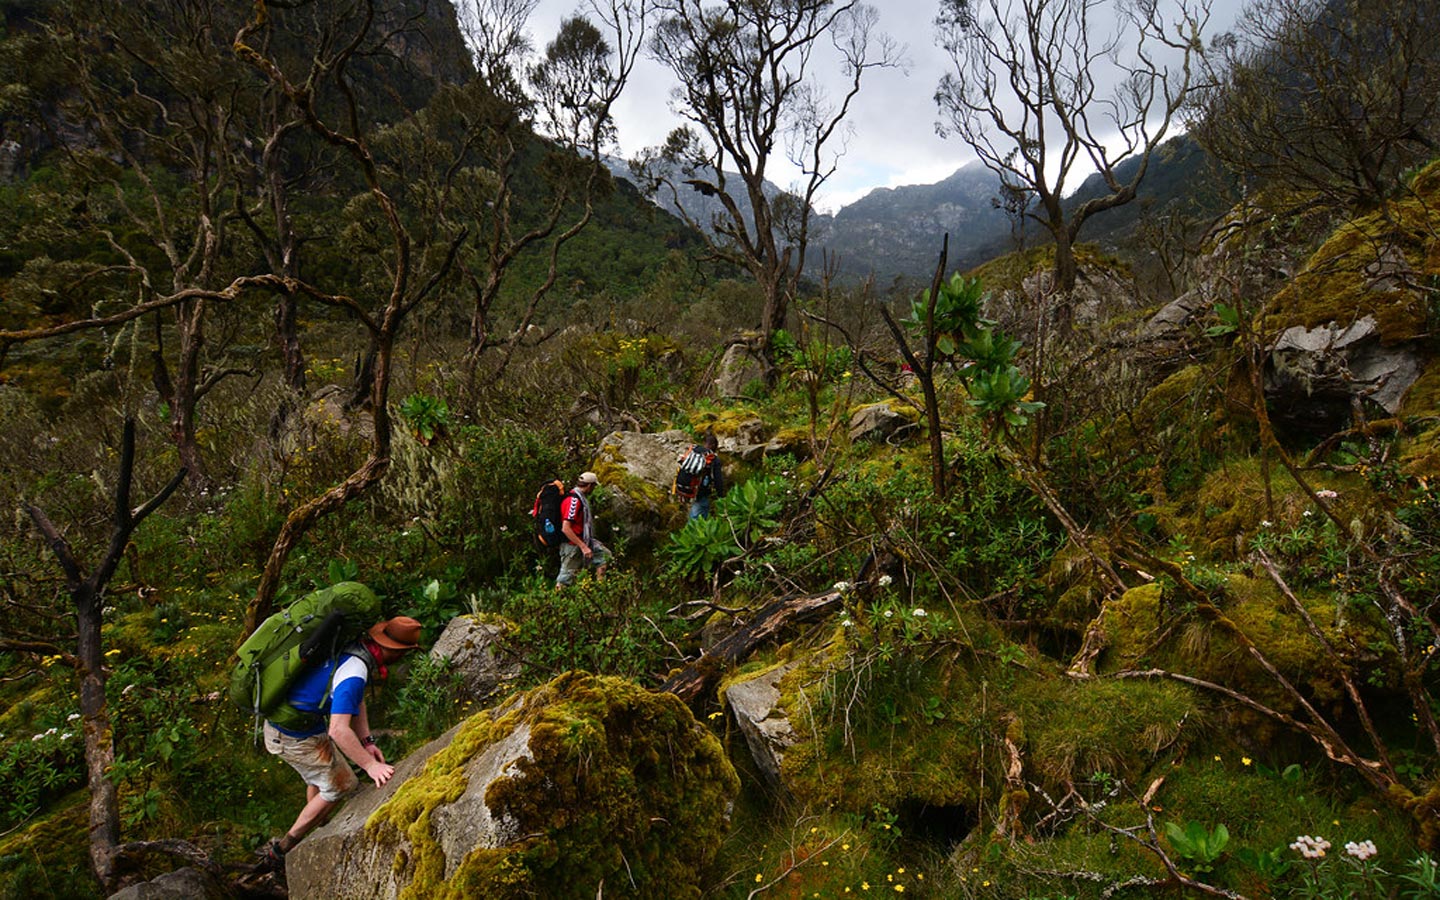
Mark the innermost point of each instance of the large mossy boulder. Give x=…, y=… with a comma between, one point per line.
x=637, y=469
x=583, y=787
x=1354, y=321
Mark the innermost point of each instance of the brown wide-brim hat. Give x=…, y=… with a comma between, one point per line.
x=399, y=633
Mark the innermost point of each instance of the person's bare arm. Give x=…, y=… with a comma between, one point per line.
x=342, y=732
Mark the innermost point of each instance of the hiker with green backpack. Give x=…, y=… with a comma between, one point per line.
x=322, y=707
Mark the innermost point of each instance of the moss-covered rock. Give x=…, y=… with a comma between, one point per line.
x=582, y=783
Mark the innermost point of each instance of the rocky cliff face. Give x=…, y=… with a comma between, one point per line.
x=896, y=232
x=427, y=36
x=890, y=232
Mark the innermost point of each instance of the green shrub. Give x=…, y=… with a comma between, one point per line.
x=611, y=627
x=486, y=498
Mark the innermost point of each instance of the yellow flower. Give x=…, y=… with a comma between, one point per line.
x=900, y=871
x=899, y=888
x=1245, y=760
x=1217, y=758
x=844, y=846
x=759, y=877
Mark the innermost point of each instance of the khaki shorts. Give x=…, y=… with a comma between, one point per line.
x=317, y=760
x=572, y=561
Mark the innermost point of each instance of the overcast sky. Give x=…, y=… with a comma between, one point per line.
x=892, y=141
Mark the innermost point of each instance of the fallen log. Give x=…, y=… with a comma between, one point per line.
x=697, y=678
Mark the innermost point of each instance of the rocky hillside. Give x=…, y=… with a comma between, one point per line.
x=894, y=233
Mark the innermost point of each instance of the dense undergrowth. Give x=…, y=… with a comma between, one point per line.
x=989, y=714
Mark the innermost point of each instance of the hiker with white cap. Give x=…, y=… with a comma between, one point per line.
x=332, y=695
x=581, y=549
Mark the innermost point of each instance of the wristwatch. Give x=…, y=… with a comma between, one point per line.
x=368, y=740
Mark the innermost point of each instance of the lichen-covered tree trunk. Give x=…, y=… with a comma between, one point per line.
x=99, y=739
x=87, y=592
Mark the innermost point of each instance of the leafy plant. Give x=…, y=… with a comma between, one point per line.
x=695, y=550
x=1227, y=321
x=430, y=700
x=984, y=354
x=435, y=603
x=1195, y=842
x=740, y=518
x=1424, y=881
x=338, y=570
x=752, y=509
x=1268, y=864
x=428, y=416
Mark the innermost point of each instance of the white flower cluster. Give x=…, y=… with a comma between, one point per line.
x=65, y=736
x=843, y=587
x=1310, y=847
x=1326, y=495
x=884, y=581
x=1361, y=851
x=919, y=613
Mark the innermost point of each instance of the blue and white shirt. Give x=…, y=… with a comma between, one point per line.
x=347, y=691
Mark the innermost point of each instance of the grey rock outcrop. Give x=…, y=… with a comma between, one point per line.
x=477, y=653
x=755, y=703
x=9, y=160
x=740, y=366
x=878, y=422
x=647, y=457
x=1315, y=375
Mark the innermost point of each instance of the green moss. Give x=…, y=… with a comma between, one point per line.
x=725, y=422
x=1008, y=271
x=624, y=788
x=1232, y=502
x=1267, y=620
x=849, y=758
x=1076, y=728
x=1131, y=625
x=1334, y=286
x=1159, y=406
x=1419, y=454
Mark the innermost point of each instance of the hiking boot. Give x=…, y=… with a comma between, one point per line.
x=272, y=858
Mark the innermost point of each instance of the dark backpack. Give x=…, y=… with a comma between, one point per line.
x=693, y=472
x=547, y=514
x=307, y=632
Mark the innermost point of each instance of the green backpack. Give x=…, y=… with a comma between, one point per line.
x=312, y=629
